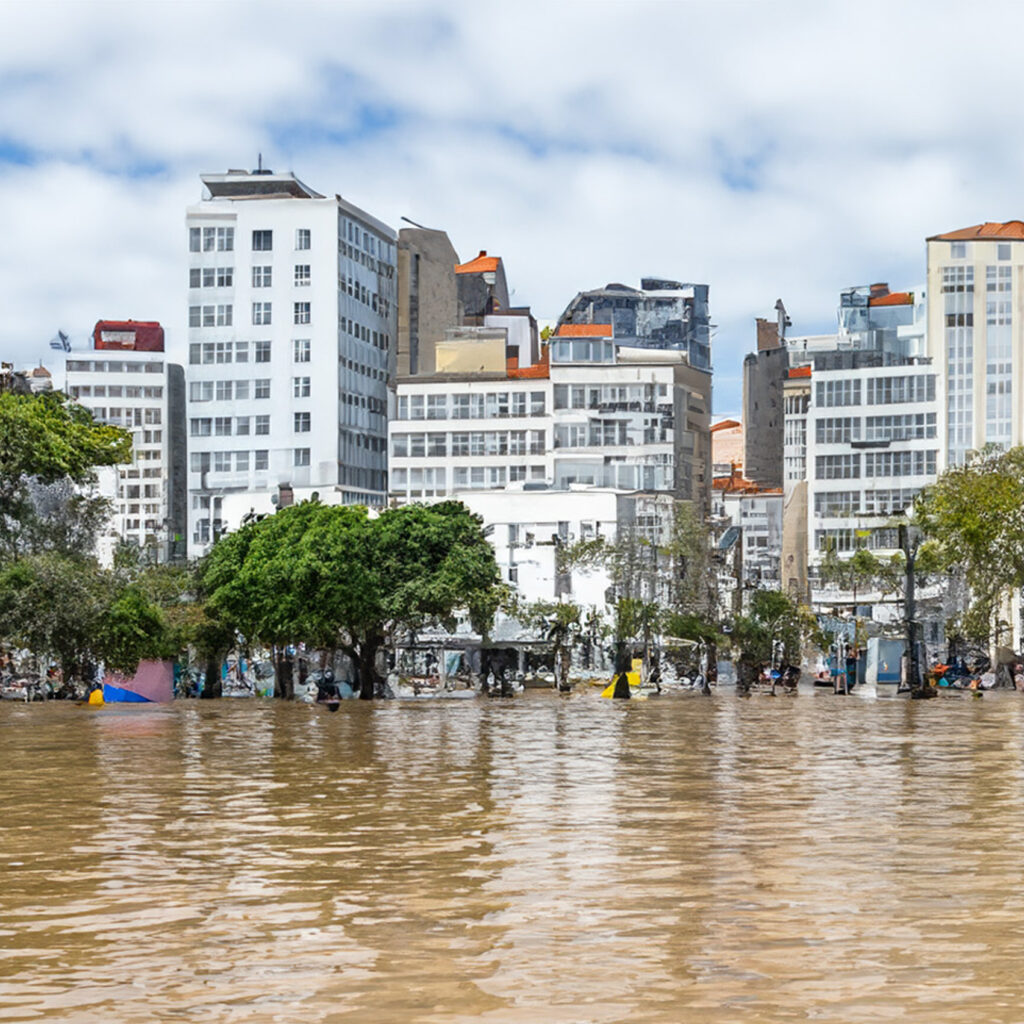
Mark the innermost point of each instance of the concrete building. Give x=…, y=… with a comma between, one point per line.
x=291, y=344
x=796, y=398
x=482, y=287
x=976, y=335
x=127, y=382
x=764, y=372
x=861, y=439
x=659, y=314
x=589, y=412
x=428, y=299
x=757, y=512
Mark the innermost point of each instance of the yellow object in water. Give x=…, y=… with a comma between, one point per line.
x=633, y=678
x=96, y=697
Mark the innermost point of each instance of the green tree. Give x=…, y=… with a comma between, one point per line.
x=973, y=517
x=562, y=626
x=70, y=611
x=775, y=624
x=46, y=440
x=335, y=578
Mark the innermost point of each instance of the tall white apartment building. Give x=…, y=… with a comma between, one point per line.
x=291, y=341
x=862, y=430
x=127, y=382
x=976, y=335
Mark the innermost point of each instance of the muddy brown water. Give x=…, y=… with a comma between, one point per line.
x=542, y=860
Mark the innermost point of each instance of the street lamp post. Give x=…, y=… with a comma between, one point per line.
x=910, y=541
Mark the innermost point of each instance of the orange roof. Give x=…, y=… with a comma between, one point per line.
x=799, y=371
x=482, y=264
x=725, y=424
x=736, y=483
x=893, y=299
x=584, y=331
x=990, y=229
x=540, y=370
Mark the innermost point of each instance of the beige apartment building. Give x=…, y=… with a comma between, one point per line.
x=976, y=335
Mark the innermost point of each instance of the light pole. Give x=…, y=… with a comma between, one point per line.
x=910, y=541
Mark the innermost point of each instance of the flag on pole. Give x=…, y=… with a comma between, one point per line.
x=61, y=342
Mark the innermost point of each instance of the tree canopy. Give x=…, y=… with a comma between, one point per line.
x=48, y=444
x=335, y=578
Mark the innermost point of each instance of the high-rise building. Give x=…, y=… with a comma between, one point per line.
x=658, y=314
x=861, y=411
x=974, y=337
x=291, y=325
x=127, y=382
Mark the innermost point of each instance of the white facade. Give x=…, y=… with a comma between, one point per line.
x=133, y=390
x=525, y=527
x=976, y=335
x=872, y=443
x=618, y=424
x=291, y=328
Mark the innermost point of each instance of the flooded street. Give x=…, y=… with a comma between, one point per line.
x=540, y=860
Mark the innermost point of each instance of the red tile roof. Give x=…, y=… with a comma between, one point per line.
x=990, y=229
x=584, y=331
x=725, y=425
x=540, y=370
x=482, y=264
x=893, y=299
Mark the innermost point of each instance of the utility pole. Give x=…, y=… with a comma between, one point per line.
x=910, y=540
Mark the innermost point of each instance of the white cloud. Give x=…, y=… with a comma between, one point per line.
x=783, y=149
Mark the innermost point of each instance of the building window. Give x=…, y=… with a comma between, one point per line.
x=301, y=457
x=195, y=276
x=261, y=459
x=302, y=312
x=302, y=423
x=261, y=351
x=262, y=241
x=261, y=388
x=195, y=316
x=224, y=316
x=302, y=275
x=261, y=313
x=300, y=387
x=226, y=239
x=201, y=427
x=262, y=277
x=302, y=238
x=224, y=390
x=262, y=425
x=222, y=426
x=242, y=425
x=225, y=277
x=958, y=250
x=301, y=349
x=1003, y=251
x=200, y=390
x=195, y=239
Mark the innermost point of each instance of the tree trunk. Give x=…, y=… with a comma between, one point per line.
x=284, y=688
x=366, y=666
x=213, y=686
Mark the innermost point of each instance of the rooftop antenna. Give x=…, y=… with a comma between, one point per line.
x=259, y=162
x=415, y=225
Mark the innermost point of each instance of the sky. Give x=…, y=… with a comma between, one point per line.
x=768, y=149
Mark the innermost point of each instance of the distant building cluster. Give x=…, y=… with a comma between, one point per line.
x=328, y=354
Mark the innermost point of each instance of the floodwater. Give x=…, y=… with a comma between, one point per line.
x=574, y=860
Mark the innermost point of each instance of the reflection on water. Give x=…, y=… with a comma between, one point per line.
x=542, y=860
